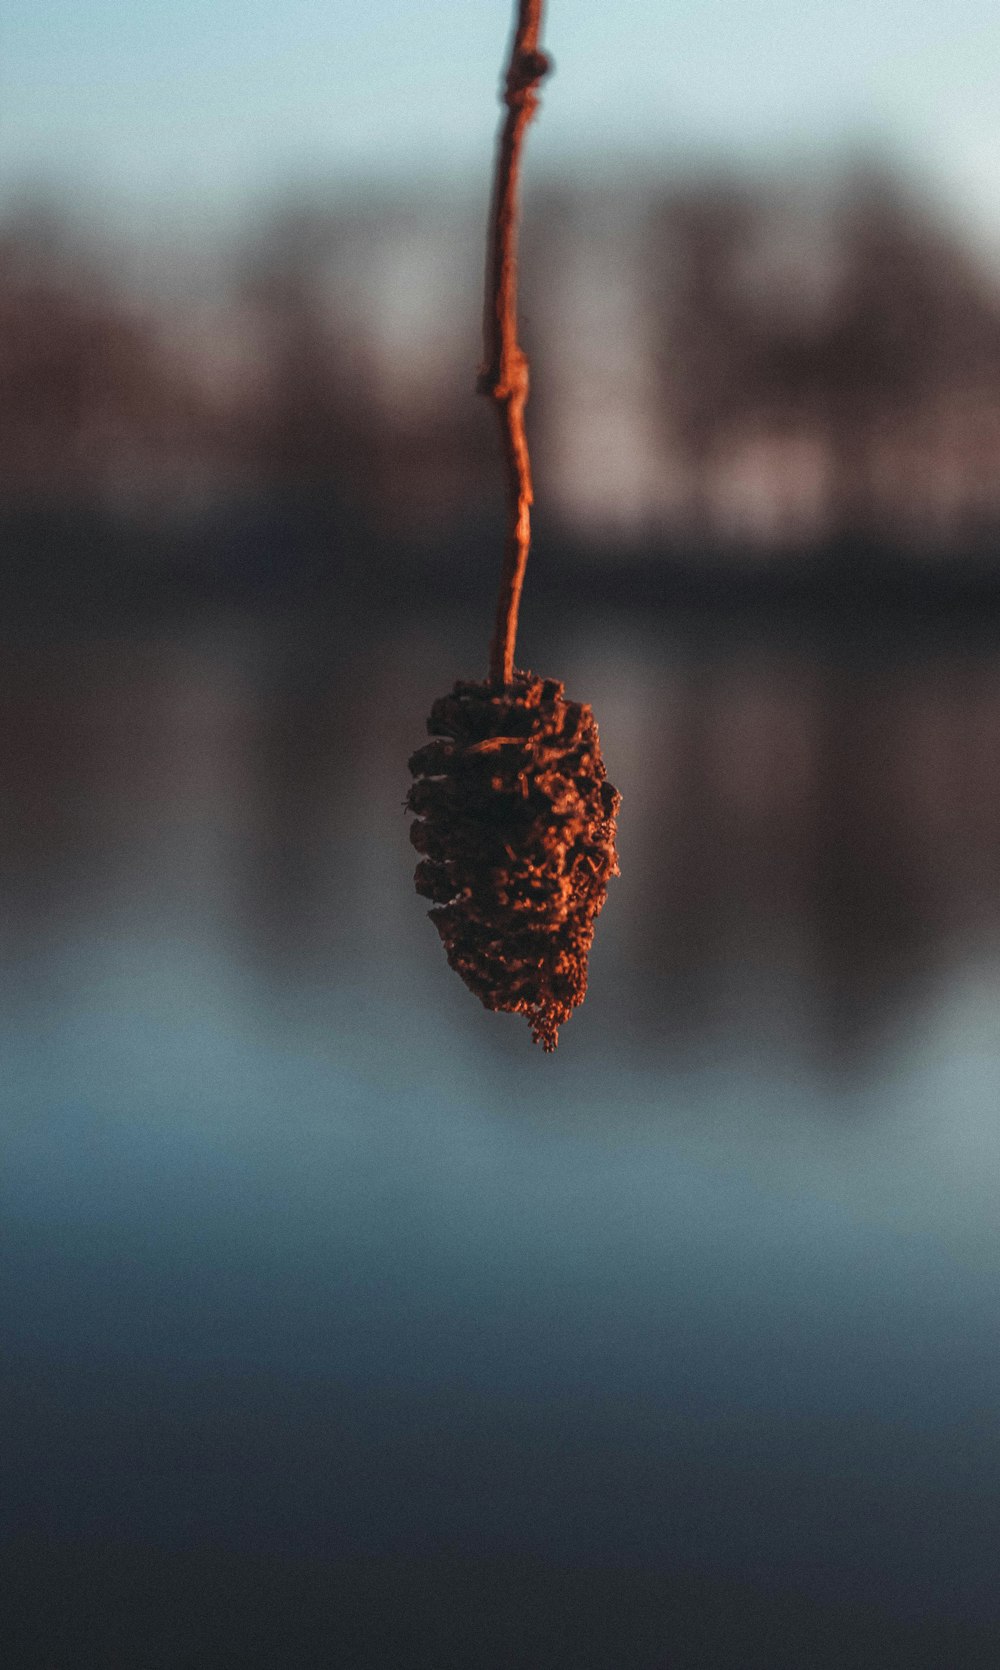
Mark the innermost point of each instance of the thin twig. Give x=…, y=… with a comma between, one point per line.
x=504, y=376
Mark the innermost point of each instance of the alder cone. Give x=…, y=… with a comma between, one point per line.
x=516, y=823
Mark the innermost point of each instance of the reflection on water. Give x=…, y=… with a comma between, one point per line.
x=811, y=840
x=311, y=1260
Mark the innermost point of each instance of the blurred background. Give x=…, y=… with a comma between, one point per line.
x=343, y=1328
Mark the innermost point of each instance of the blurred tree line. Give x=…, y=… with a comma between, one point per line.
x=859, y=352
x=800, y=368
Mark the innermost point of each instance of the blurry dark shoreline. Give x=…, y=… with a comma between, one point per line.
x=93, y=569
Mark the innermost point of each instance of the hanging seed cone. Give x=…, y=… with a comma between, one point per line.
x=516, y=822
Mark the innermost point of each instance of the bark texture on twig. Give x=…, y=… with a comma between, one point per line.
x=504, y=375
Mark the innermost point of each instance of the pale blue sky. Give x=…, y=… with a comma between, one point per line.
x=212, y=102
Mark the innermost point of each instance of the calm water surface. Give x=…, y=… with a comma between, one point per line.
x=341, y=1326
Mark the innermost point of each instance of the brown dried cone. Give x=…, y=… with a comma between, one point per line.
x=516, y=821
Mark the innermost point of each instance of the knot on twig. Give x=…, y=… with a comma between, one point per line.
x=527, y=69
x=516, y=824
x=507, y=380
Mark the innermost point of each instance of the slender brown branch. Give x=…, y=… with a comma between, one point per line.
x=504, y=375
